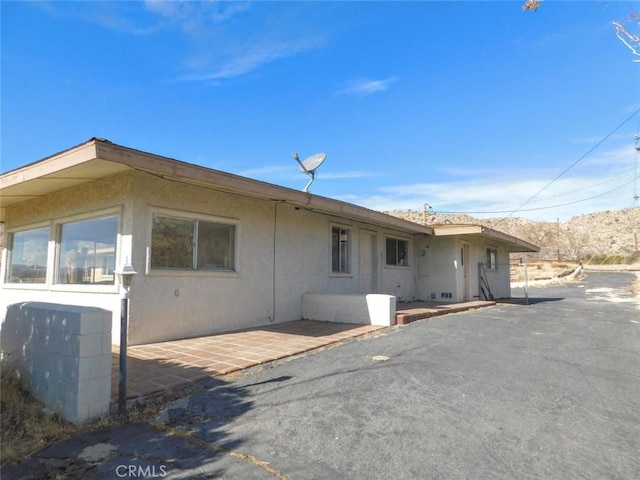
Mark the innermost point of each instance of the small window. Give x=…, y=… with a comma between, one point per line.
x=189, y=244
x=340, y=250
x=492, y=258
x=87, y=251
x=28, y=256
x=397, y=252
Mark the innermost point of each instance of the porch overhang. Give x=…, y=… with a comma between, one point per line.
x=479, y=231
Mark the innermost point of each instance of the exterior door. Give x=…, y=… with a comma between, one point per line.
x=368, y=265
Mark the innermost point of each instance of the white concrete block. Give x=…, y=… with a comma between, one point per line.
x=91, y=345
x=382, y=309
x=94, y=367
x=89, y=391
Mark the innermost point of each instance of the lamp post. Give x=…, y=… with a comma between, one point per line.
x=125, y=274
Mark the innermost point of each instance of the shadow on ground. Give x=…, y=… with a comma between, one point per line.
x=152, y=445
x=530, y=301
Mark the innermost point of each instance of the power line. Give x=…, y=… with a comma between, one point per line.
x=543, y=208
x=573, y=164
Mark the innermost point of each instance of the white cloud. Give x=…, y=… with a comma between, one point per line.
x=283, y=173
x=362, y=88
x=495, y=198
x=246, y=58
x=222, y=40
x=346, y=175
x=195, y=18
x=267, y=171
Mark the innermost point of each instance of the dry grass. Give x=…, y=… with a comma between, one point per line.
x=28, y=426
x=542, y=271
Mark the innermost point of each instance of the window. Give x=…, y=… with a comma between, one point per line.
x=492, y=258
x=340, y=250
x=397, y=252
x=28, y=256
x=87, y=251
x=190, y=244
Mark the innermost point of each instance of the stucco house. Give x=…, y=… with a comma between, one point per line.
x=215, y=251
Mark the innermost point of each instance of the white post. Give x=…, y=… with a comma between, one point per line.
x=526, y=283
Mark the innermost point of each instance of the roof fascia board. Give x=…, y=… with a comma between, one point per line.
x=171, y=169
x=519, y=244
x=515, y=244
x=447, y=230
x=56, y=163
x=197, y=175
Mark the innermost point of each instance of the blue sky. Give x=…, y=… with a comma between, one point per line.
x=466, y=106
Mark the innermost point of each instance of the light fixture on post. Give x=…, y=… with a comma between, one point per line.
x=125, y=275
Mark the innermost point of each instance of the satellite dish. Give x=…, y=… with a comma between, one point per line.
x=309, y=166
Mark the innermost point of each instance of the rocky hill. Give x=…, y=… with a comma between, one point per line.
x=609, y=236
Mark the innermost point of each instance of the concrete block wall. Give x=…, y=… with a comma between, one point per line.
x=63, y=354
x=371, y=309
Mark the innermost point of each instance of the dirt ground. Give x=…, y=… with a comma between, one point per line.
x=547, y=273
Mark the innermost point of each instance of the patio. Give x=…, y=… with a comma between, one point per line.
x=158, y=368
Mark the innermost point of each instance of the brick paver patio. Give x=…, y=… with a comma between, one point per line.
x=160, y=367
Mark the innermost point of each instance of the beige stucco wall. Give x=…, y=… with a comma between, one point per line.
x=442, y=271
x=106, y=196
x=282, y=252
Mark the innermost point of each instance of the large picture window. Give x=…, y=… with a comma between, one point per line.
x=397, y=252
x=190, y=244
x=87, y=251
x=28, y=256
x=340, y=250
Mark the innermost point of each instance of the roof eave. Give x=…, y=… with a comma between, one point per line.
x=515, y=244
x=108, y=154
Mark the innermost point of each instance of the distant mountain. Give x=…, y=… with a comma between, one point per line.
x=612, y=233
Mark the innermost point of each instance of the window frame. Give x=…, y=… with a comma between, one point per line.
x=57, y=245
x=407, y=242
x=192, y=271
x=492, y=265
x=8, y=254
x=349, y=257
x=53, y=252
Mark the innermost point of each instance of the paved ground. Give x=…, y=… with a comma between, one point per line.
x=162, y=367
x=548, y=391
x=159, y=368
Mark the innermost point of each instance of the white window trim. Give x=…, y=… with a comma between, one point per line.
x=487, y=265
x=409, y=264
x=83, y=287
x=7, y=252
x=189, y=215
x=349, y=228
x=54, y=250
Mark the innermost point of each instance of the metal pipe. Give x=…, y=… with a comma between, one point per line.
x=122, y=386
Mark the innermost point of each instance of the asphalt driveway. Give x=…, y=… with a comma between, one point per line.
x=545, y=391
